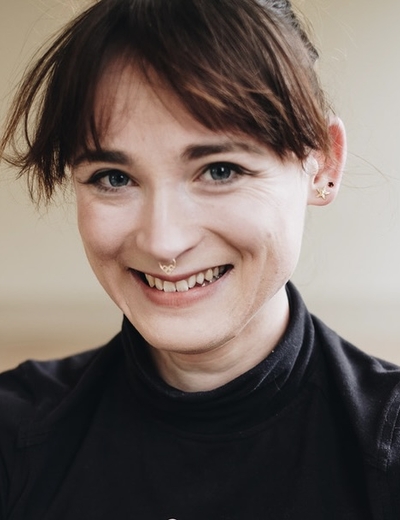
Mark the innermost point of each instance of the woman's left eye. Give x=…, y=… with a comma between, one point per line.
x=222, y=172
x=117, y=179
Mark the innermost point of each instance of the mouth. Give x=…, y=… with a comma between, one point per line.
x=200, y=279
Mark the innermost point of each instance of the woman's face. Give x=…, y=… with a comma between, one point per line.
x=223, y=206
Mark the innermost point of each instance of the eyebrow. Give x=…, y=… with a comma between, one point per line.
x=109, y=156
x=191, y=152
x=198, y=151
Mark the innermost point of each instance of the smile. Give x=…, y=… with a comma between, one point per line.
x=201, y=279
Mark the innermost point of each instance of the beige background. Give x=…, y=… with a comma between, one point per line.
x=50, y=303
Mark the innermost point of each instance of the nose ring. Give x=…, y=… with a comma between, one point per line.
x=168, y=268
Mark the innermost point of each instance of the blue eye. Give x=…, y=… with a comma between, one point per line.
x=116, y=179
x=220, y=172
x=110, y=180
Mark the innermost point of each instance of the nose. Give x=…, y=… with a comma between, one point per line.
x=168, y=225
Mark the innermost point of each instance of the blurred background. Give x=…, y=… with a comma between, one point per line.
x=50, y=303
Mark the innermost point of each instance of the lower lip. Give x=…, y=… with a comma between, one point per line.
x=178, y=299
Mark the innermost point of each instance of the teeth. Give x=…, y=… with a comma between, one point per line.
x=182, y=286
x=192, y=281
x=210, y=275
x=200, y=278
x=151, y=280
x=169, y=287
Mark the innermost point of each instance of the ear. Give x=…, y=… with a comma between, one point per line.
x=326, y=172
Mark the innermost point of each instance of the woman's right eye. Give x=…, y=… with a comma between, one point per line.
x=110, y=179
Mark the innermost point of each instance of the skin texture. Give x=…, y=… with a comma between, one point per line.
x=235, y=205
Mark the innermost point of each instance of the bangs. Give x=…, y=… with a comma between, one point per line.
x=235, y=65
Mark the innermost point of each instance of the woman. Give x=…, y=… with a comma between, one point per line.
x=195, y=134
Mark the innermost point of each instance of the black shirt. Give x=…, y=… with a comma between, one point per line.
x=312, y=432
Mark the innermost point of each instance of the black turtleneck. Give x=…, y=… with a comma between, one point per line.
x=311, y=432
x=237, y=406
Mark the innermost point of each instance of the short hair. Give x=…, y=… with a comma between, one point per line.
x=244, y=66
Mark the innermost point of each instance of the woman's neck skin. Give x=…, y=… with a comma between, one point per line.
x=204, y=371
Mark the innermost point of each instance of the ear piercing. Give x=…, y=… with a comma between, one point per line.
x=322, y=193
x=168, y=268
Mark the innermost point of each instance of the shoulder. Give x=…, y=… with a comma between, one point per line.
x=35, y=389
x=24, y=387
x=369, y=390
x=362, y=377
x=37, y=395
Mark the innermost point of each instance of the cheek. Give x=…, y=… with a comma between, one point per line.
x=271, y=235
x=259, y=225
x=103, y=235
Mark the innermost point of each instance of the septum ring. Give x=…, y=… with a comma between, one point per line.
x=168, y=268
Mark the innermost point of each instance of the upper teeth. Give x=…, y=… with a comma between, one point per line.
x=210, y=275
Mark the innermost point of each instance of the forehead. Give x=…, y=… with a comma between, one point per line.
x=127, y=94
x=145, y=123
x=134, y=106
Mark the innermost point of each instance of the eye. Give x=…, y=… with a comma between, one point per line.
x=109, y=180
x=115, y=178
x=222, y=172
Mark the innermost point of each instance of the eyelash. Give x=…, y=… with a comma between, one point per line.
x=235, y=168
x=97, y=178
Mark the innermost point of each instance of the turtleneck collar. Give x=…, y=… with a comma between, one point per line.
x=239, y=405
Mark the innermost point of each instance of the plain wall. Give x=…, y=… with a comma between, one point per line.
x=50, y=302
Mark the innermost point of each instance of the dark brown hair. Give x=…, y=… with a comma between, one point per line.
x=238, y=65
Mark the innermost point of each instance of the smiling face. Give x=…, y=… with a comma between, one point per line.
x=225, y=207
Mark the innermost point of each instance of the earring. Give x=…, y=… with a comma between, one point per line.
x=168, y=268
x=322, y=193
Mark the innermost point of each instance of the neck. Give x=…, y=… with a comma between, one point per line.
x=214, y=367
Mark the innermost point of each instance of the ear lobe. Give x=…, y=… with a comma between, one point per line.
x=325, y=182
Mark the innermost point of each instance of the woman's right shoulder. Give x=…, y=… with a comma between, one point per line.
x=36, y=396
x=34, y=389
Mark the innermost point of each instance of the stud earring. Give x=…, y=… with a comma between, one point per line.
x=322, y=193
x=168, y=268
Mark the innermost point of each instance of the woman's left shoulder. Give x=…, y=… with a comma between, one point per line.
x=369, y=390
x=360, y=373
